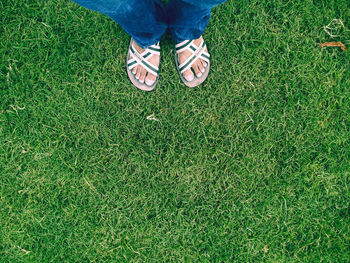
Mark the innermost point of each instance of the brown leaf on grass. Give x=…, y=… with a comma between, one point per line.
x=334, y=44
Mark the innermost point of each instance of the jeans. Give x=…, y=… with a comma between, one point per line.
x=147, y=20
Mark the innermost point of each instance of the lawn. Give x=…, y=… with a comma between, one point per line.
x=252, y=166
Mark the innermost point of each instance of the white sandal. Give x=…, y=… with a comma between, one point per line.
x=140, y=59
x=197, y=52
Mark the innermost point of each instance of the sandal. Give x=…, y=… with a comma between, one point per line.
x=140, y=59
x=197, y=52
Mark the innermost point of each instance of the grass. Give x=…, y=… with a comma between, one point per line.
x=251, y=166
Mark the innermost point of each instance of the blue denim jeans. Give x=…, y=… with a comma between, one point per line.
x=147, y=20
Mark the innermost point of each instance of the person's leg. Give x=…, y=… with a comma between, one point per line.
x=187, y=20
x=142, y=20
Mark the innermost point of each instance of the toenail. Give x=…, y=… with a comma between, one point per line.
x=199, y=74
x=202, y=69
x=189, y=77
x=149, y=82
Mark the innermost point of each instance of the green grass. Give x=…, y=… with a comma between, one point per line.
x=251, y=166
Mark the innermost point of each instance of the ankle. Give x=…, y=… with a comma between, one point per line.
x=198, y=41
x=138, y=48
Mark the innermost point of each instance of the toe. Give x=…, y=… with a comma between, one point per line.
x=202, y=66
x=188, y=75
x=196, y=69
x=142, y=76
x=138, y=73
x=150, y=79
x=134, y=70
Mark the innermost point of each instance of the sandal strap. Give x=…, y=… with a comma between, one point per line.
x=197, y=52
x=140, y=59
x=180, y=47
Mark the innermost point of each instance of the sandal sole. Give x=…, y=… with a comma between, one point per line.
x=196, y=81
x=134, y=80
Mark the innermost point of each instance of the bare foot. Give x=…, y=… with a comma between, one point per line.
x=140, y=72
x=198, y=66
